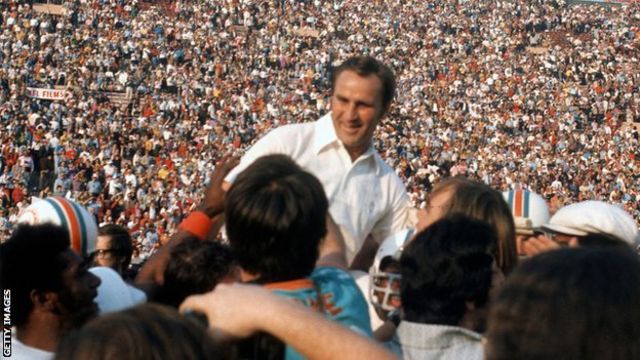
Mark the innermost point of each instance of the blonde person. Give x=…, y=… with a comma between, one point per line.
x=476, y=201
x=456, y=195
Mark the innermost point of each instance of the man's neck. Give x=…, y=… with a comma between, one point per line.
x=354, y=154
x=42, y=335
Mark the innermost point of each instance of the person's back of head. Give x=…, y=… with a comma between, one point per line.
x=147, y=331
x=578, y=303
x=445, y=269
x=275, y=215
x=195, y=267
x=32, y=259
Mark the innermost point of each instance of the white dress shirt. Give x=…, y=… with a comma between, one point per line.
x=365, y=196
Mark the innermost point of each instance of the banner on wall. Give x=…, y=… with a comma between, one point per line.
x=48, y=94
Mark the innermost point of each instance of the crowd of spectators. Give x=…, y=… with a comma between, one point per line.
x=532, y=94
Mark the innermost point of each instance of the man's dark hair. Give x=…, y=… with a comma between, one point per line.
x=120, y=241
x=601, y=239
x=275, y=215
x=446, y=266
x=195, y=267
x=32, y=259
x=574, y=303
x=365, y=66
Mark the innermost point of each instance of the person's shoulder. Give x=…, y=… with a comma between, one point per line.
x=290, y=130
x=386, y=171
x=384, y=166
x=324, y=272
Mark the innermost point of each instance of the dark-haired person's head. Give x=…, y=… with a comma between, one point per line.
x=114, y=248
x=195, y=267
x=447, y=269
x=48, y=280
x=573, y=303
x=148, y=331
x=275, y=215
x=458, y=195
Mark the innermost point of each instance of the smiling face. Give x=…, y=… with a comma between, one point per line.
x=356, y=109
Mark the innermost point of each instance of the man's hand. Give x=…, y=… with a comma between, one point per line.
x=537, y=245
x=213, y=202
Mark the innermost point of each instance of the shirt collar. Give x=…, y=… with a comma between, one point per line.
x=291, y=285
x=325, y=135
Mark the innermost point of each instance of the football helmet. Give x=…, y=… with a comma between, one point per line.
x=81, y=225
x=384, y=274
x=530, y=211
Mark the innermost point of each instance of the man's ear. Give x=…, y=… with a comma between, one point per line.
x=44, y=301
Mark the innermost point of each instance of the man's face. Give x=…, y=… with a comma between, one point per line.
x=104, y=254
x=80, y=288
x=356, y=106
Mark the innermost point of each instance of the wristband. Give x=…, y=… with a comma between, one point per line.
x=197, y=223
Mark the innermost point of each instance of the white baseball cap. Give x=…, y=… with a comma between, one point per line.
x=114, y=294
x=594, y=217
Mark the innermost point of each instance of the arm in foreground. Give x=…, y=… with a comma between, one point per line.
x=233, y=312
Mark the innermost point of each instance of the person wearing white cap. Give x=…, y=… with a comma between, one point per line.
x=575, y=223
x=114, y=294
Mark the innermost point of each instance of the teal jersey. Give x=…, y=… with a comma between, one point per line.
x=340, y=299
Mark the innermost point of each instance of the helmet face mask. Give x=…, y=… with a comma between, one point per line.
x=384, y=274
x=384, y=291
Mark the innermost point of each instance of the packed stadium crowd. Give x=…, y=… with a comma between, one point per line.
x=387, y=164
x=485, y=90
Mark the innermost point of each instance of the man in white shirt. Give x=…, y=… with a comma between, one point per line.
x=366, y=197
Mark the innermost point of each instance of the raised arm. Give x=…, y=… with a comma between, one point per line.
x=206, y=218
